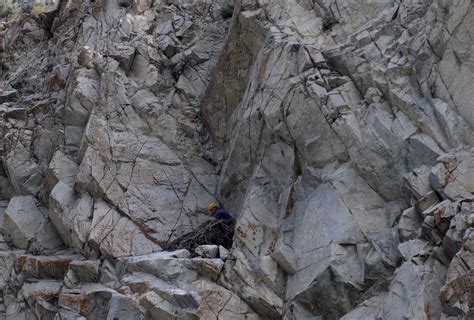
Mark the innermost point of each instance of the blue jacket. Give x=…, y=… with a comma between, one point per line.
x=222, y=215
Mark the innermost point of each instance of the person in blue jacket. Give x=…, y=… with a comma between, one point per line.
x=218, y=213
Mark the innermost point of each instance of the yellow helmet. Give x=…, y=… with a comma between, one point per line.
x=212, y=206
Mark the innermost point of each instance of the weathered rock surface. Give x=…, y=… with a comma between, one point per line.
x=338, y=134
x=27, y=226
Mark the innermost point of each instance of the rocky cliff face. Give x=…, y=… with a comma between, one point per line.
x=337, y=133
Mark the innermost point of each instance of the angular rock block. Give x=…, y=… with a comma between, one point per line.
x=27, y=226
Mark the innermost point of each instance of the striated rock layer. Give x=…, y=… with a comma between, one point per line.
x=339, y=135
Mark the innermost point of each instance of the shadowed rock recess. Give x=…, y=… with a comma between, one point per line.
x=338, y=134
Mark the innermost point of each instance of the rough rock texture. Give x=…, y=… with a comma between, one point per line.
x=338, y=134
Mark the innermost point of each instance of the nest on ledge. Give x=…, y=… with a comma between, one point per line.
x=217, y=232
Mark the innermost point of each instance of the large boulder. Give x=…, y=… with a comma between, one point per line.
x=453, y=177
x=173, y=286
x=414, y=291
x=44, y=267
x=27, y=226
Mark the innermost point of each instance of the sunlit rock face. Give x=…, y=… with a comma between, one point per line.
x=338, y=134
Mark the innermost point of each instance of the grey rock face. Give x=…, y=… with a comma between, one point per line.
x=208, y=251
x=338, y=134
x=27, y=226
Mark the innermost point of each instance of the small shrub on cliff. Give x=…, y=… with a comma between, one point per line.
x=7, y=9
x=328, y=21
x=39, y=9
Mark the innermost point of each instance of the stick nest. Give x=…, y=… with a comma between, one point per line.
x=217, y=232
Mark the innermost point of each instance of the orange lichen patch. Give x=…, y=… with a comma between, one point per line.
x=451, y=166
x=212, y=301
x=438, y=214
x=460, y=289
x=44, y=294
x=144, y=226
x=208, y=304
x=57, y=82
x=207, y=268
x=79, y=303
x=20, y=260
x=26, y=263
x=427, y=311
x=140, y=287
x=52, y=268
x=43, y=267
x=241, y=233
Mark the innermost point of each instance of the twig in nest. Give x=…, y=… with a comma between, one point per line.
x=217, y=232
